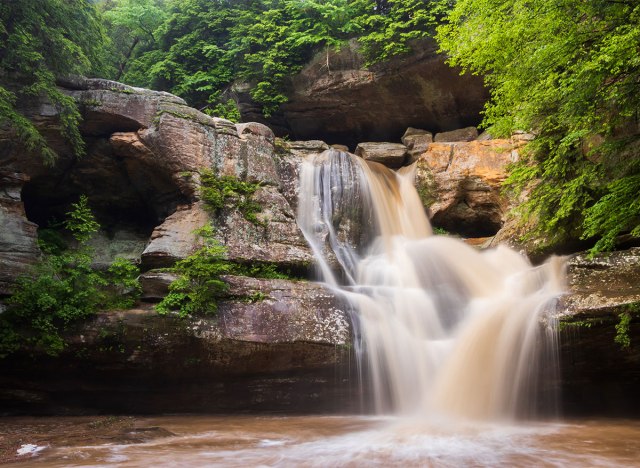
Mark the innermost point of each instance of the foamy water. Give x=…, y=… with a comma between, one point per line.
x=441, y=328
x=341, y=441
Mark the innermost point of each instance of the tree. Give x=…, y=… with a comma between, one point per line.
x=40, y=41
x=569, y=71
x=396, y=24
x=133, y=27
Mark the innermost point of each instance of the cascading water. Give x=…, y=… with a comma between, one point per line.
x=443, y=328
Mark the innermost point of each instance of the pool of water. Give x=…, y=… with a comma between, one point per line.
x=312, y=441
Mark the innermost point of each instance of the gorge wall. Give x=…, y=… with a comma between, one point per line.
x=290, y=349
x=336, y=99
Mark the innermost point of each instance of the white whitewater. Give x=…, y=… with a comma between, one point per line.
x=442, y=328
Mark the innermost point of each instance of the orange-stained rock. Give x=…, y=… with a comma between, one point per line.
x=460, y=184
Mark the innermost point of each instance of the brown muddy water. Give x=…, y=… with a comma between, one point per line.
x=312, y=441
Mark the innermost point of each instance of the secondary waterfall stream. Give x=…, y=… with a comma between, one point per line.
x=441, y=328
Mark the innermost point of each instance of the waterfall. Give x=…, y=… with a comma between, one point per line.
x=441, y=328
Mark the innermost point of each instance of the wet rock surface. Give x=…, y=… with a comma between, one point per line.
x=461, y=184
x=273, y=345
x=599, y=376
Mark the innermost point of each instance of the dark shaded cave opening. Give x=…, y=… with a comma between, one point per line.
x=128, y=198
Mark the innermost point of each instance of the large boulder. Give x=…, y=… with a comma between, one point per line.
x=274, y=345
x=417, y=142
x=461, y=134
x=460, y=183
x=392, y=155
x=347, y=103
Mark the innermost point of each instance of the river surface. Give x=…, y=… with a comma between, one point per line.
x=312, y=441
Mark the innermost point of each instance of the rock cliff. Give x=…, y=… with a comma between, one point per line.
x=277, y=344
x=338, y=100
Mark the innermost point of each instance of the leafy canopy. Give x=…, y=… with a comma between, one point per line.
x=204, y=46
x=569, y=71
x=40, y=41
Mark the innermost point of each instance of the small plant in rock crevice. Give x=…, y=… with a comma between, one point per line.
x=200, y=285
x=219, y=192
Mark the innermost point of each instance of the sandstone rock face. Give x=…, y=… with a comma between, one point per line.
x=348, y=104
x=460, y=183
x=417, y=142
x=155, y=284
x=606, y=281
x=392, y=155
x=282, y=313
x=175, y=238
x=598, y=375
x=277, y=345
x=18, y=248
x=145, y=153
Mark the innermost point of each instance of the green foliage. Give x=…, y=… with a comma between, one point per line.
x=199, y=285
x=261, y=270
x=569, y=71
x=80, y=220
x=132, y=26
x=203, y=46
x=392, y=31
x=622, y=330
x=40, y=41
x=124, y=287
x=62, y=289
x=218, y=192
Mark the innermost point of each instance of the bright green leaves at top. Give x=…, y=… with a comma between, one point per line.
x=133, y=28
x=392, y=32
x=205, y=46
x=569, y=71
x=40, y=41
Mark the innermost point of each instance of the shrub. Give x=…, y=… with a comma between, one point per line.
x=63, y=288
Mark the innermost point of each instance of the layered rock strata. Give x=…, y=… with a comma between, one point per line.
x=337, y=99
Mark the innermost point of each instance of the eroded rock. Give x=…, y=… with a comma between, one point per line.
x=347, y=103
x=146, y=152
x=18, y=247
x=392, y=155
x=460, y=183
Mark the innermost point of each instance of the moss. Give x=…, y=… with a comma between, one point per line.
x=228, y=191
x=122, y=90
x=91, y=103
x=281, y=146
x=425, y=188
